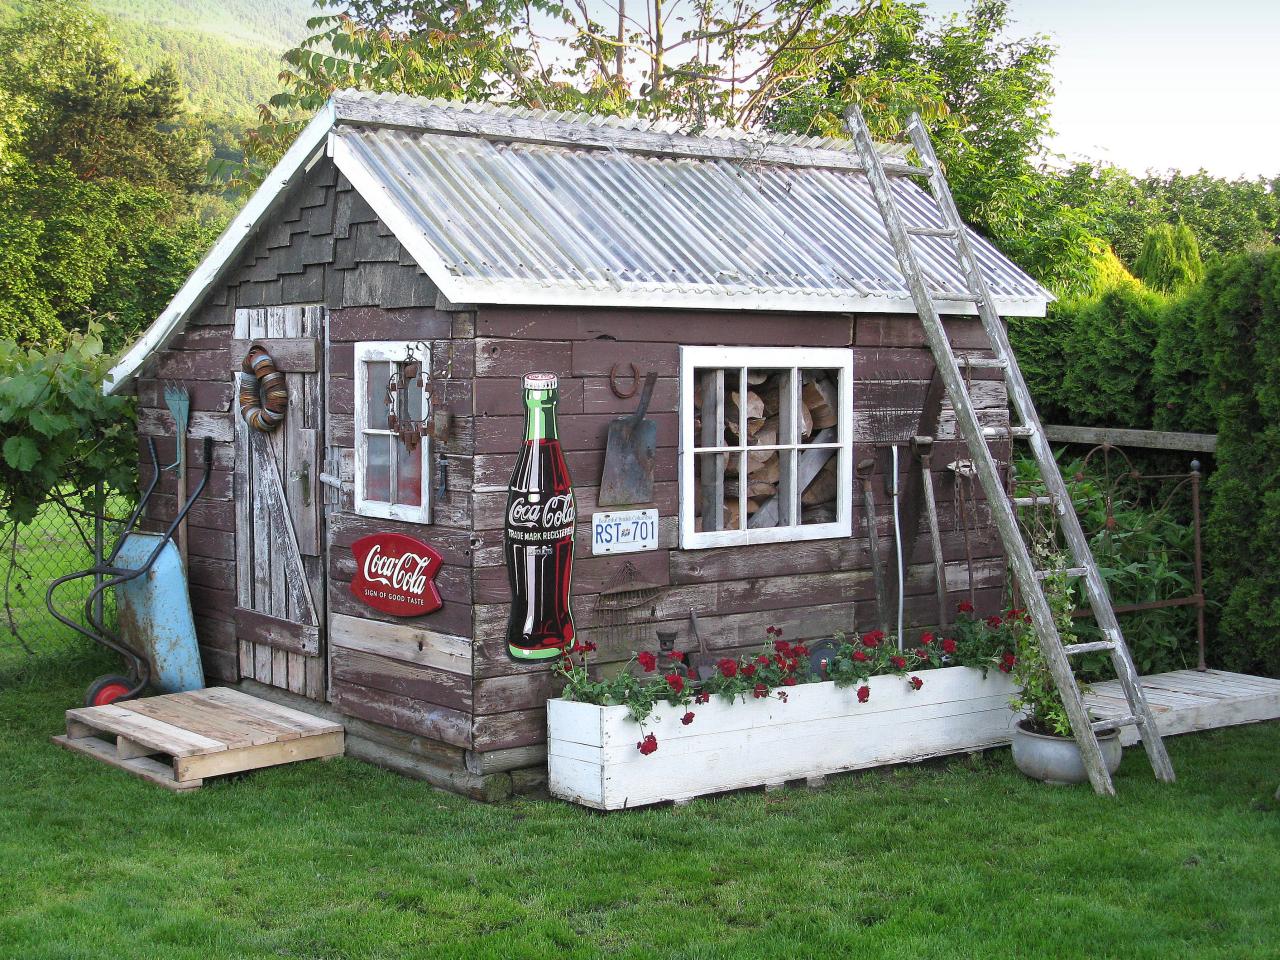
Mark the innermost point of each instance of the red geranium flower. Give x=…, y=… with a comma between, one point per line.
x=1004, y=668
x=799, y=650
x=1009, y=658
x=1015, y=613
x=748, y=669
x=916, y=683
x=782, y=647
x=702, y=697
x=675, y=681
x=728, y=668
x=687, y=718
x=647, y=660
x=965, y=606
x=789, y=681
x=648, y=745
x=873, y=638
x=760, y=691
x=899, y=663
x=590, y=646
x=566, y=663
x=773, y=631
x=948, y=645
x=926, y=639
x=860, y=655
x=792, y=664
x=864, y=693
x=762, y=659
x=677, y=656
x=994, y=621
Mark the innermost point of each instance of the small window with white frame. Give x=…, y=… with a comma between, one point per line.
x=766, y=445
x=392, y=454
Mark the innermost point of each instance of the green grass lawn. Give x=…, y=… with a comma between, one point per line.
x=342, y=860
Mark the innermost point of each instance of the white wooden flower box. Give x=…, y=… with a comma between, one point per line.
x=592, y=757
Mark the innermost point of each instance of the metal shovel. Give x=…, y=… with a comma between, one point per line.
x=628, y=455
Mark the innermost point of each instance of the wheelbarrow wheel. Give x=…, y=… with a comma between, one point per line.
x=107, y=689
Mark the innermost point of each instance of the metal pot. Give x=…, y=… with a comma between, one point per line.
x=1056, y=760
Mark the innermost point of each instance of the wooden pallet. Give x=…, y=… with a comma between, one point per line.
x=179, y=739
x=1187, y=700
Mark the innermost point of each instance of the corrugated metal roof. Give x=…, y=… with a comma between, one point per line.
x=519, y=222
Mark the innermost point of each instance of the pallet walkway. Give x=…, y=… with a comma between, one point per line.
x=1187, y=700
x=178, y=739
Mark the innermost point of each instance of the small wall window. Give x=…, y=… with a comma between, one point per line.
x=766, y=440
x=391, y=460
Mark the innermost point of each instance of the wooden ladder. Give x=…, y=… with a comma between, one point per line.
x=1025, y=426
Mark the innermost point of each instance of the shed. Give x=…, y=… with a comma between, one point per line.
x=489, y=242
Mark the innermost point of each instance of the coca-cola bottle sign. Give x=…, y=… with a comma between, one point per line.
x=538, y=534
x=396, y=574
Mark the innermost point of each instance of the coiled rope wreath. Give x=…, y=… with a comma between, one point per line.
x=264, y=396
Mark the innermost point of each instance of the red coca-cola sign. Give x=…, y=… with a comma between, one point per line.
x=396, y=574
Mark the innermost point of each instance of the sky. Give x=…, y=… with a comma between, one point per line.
x=1172, y=84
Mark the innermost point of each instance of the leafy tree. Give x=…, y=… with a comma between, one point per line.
x=693, y=60
x=986, y=97
x=96, y=183
x=1170, y=258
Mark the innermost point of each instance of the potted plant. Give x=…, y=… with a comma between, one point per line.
x=1043, y=746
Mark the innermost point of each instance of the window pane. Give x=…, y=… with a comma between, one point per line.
x=715, y=413
x=818, y=500
x=377, y=468
x=711, y=484
x=415, y=401
x=820, y=400
x=376, y=394
x=769, y=393
x=409, y=474
x=766, y=480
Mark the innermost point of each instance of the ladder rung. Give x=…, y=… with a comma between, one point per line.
x=1114, y=723
x=1093, y=646
x=1002, y=433
x=906, y=170
x=983, y=363
x=950, y=297
x=1033, y=501
x=1068, y=572
x=949, y=232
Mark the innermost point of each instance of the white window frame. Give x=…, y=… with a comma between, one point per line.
x=765, y=358
x=382, y=351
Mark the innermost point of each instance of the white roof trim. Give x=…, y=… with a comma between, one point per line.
x=229, y=246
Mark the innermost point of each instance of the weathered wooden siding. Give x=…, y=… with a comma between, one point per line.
x=812, y=588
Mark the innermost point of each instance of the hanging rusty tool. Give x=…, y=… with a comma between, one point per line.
x=923, y=448
x=866, y=468
x=629, y=455
x=964, y=475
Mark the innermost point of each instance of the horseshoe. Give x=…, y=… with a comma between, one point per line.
x=613, y=382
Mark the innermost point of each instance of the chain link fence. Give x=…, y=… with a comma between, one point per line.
x=60, y=540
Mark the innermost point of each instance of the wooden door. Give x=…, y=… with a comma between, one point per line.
x=279, y=561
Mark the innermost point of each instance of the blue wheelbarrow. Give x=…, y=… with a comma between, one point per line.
x=156, y=637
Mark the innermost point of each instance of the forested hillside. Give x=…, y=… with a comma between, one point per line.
x=226, y=51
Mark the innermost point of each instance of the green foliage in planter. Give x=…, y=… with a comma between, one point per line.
x=1170, y=258
x=56, y=425
x=1240, y=338
x=1037, y=691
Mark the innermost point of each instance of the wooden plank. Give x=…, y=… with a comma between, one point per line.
x=159, y=423
x=270, y=490
x=144, y=767
x=160, y=735
x=1147, y=439
x=204, y=721
x=277, y=632
x=254, y=757
x=400, y=677
x=292, y=354
x=403, y=713
x=299, y=719
x=405, y=642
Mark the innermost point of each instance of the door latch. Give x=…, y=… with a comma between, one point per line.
x=303, y=476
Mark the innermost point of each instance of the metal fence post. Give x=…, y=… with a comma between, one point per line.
x=99, y=548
